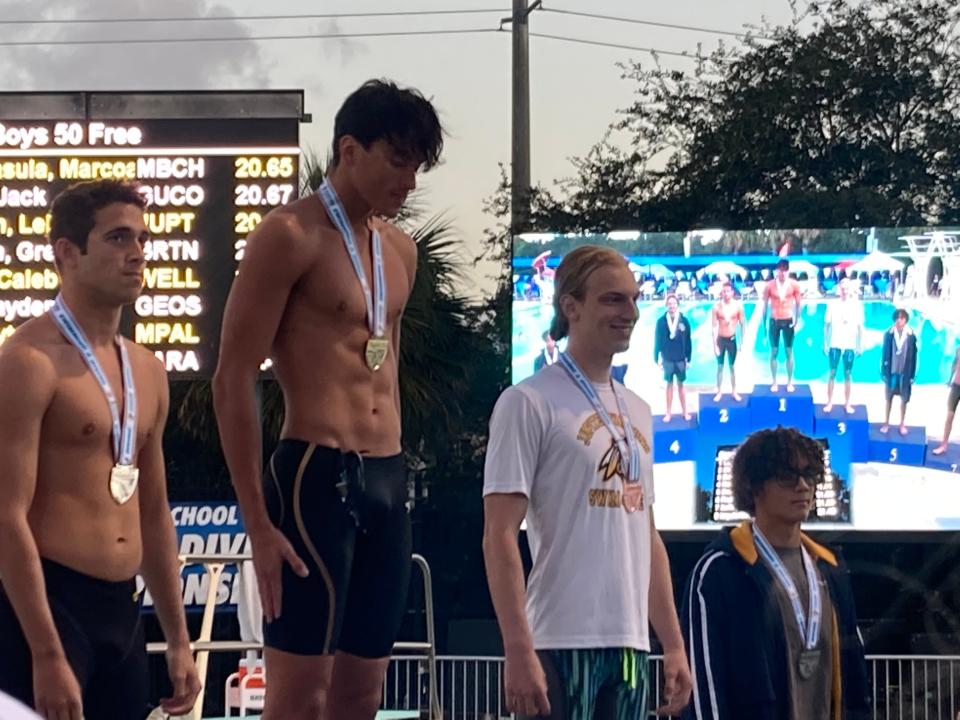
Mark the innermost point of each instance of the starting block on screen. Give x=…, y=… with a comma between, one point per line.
x=790, y=409
x=847, y=435
x=948, y=462
x=892, y=447
x=674, y=441
x=724, y=421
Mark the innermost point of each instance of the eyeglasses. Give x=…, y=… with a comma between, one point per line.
x=792, y=479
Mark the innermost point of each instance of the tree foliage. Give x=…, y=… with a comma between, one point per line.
x=850, y=115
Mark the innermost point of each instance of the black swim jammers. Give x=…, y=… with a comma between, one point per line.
x=346, y=517
x=99, y=625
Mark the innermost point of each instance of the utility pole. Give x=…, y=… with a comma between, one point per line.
x=520, y=153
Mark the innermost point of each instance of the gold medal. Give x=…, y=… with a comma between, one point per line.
x=123, y=482
x=632, y=496
x=375, y=352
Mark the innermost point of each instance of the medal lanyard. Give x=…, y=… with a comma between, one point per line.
x=782, y=289
x=899, y=339
x=124, y=439
x=376, y=301
x=809, y=632
x=625, y=440
x=672, y=324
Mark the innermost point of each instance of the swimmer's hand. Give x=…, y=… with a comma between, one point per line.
x=56, y=692
x=270, y=550
x=525, y=684
x=184, y=679
x=677, y=683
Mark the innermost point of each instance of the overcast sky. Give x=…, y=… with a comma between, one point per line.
x=576, y=89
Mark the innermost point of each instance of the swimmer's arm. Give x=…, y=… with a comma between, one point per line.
x=715, y=325
x=502, y=515
x=160, y=566
x=663, y=610
x=273, y=262
x=28, y=383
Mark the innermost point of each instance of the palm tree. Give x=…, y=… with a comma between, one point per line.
x=436, y=345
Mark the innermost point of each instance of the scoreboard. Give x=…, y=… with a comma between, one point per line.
x=208, y=182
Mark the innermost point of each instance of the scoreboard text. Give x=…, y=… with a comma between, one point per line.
x=208, y=183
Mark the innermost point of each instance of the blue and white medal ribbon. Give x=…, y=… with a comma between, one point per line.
x=625, y=439
x=809, y=629
x=377, y=346
x=124, y=475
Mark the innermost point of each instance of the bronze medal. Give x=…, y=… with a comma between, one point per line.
x=807, y=665
x=375, y=352
x=123, y=482
x=632, y=497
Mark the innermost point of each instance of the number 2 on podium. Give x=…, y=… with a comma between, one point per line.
x=724, y=415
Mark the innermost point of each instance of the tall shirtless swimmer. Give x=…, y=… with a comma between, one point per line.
x=328, y=524
x=77, y=522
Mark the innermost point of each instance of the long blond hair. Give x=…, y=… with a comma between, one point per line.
x=571, y=279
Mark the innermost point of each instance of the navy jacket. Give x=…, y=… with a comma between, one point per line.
x=910, y=362
x=736, y=638
x=679, y=348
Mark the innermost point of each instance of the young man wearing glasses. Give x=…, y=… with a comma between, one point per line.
x=768, y=614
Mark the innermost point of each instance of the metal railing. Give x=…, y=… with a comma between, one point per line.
x=903, y=687
x=214, y=565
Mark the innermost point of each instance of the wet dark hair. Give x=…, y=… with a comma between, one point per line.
x=783, y=264
x=900, y=312
x=380, y=110
x=72, y=215
x=545, y=336
x=769, y=454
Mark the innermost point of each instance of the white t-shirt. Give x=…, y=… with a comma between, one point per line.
x=10, y=709
x=844, y=317
x=590, y=582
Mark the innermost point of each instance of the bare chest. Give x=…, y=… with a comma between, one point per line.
x=80, y=415
x=332, y=287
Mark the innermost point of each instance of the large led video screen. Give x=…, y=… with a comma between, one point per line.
x=847, y=286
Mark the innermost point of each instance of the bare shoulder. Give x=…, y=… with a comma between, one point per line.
x=28, y=359
x=286, y=229
x=402, y=243
x=142, y=357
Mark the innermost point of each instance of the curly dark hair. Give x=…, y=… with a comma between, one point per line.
x=73, y=213
x=770, y=454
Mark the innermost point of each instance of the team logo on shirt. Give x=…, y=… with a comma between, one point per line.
x=594, y=423
x=611, y=464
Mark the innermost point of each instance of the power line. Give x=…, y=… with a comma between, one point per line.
x=312, y=16
x=653, y=51
x=635, y=21
x=258, y=38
